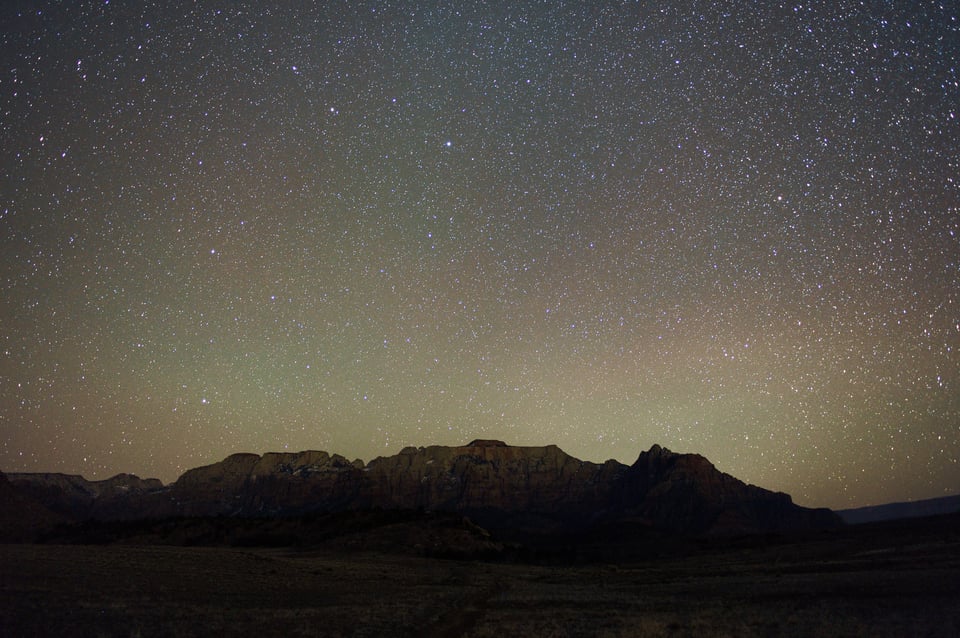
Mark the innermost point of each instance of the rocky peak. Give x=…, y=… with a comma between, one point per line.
x=235, y=468
x=659, y=463
x=486, y=443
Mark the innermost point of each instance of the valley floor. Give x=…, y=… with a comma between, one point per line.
x=838, y=586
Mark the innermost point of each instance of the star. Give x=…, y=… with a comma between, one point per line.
x=726, y=232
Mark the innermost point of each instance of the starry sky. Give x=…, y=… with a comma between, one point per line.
x=730, y=228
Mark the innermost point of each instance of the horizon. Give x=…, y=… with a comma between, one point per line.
x=367, y=461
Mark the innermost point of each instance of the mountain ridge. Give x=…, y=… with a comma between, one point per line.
x=539, y=489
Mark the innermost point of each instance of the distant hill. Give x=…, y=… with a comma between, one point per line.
x=21, y=516
x=891, y=511
x=509, y=489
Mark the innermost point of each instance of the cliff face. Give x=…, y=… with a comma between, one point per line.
x=682, y=491
x=274, y=484
x=483, y=476
x=534, y=488
x=490, y=475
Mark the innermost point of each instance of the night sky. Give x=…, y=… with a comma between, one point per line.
x=730, y=228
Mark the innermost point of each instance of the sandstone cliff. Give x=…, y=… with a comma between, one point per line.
x=540, y=489
x=682, y=491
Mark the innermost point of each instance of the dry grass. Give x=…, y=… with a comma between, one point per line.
x=780, y=591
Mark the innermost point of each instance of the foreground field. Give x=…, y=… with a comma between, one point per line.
x=829, y=587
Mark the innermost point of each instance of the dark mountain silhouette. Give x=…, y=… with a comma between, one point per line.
x=73, y=497
x=538, y=490
x=894, y=511
x=22, y=517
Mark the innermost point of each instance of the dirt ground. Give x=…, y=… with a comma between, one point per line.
x=833, y=587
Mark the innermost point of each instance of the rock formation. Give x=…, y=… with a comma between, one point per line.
x=539, y=489
x=679, y=492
